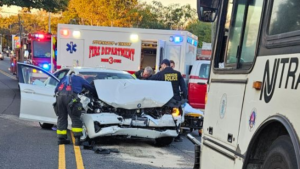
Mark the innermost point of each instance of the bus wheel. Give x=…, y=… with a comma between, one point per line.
x=46, y=125
x=281, y=154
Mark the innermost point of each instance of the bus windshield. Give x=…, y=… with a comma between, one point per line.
x=42, y=49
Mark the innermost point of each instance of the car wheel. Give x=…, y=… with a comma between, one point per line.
x=281, y=155
x=164, y=141
x=46, y=125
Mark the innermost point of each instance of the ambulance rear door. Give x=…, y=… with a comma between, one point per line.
x=160, y=54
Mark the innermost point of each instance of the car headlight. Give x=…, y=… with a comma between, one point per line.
x=175, y=112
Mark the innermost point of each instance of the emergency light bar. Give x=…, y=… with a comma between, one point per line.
x=192, y=41
x=46, y=66
x=39, y=36
x=176, y=39
x=66, y=33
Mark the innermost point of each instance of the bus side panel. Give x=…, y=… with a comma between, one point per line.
x=210, y=159
x=223, y=110
x=284, y=100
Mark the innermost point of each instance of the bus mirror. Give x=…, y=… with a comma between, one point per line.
x=207, y=10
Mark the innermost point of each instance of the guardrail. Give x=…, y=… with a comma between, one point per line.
x=197, y=144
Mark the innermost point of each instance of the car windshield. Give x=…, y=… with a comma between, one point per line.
x=41, y=49
x=90, y=76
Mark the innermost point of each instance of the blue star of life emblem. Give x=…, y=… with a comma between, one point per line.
x=71, y=47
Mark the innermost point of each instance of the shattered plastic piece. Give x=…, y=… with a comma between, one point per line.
x=84, y=101
x=102, y=151
x=114, y=150
x=54, y=128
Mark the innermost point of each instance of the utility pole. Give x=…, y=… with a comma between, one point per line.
x=49, y=23
x=21, y=47
x=1, y=43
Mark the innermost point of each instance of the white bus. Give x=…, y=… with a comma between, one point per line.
x=252, y=116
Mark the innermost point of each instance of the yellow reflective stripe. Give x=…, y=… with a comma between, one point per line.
x=62, y=132
x=77, y=130
x=193, y=114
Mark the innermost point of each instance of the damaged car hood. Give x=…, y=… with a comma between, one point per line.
x=134, y=94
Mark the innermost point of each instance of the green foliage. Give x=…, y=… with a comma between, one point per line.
x=116, y=13
x=202, y=30
x=47, y=5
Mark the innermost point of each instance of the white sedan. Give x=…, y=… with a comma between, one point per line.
x=124, y=107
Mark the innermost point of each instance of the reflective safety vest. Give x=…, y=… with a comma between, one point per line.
x=133, y=75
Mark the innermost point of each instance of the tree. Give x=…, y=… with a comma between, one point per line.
x=101, y=12
x=47, y=5
x=145, y=17
x=174, y=16
x=200, y=29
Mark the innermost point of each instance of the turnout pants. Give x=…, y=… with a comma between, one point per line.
x=67, y=105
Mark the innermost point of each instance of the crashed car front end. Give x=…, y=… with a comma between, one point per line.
x=110, y=124
x=131, y=108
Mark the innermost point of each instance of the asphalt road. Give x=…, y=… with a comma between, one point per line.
x=24, y=145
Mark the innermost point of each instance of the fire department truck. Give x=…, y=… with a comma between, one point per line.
x=128, y=49
x=37, y=49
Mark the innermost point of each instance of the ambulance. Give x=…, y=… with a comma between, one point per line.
x=127, y=49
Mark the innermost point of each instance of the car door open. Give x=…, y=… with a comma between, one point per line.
x=37, y=94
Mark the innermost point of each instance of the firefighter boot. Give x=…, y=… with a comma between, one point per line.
x=63, y=141
x=77, y=141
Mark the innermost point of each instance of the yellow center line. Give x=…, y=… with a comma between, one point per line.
x=61, y=157
x=8, y=75
x=77, y=153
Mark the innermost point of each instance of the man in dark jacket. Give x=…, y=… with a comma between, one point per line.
x=68, y=103
x=169, y=74
x=144, y=73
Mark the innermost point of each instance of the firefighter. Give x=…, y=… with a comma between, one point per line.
x=68, y=102
x=169, y=74
x=144, y=73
